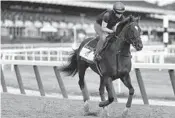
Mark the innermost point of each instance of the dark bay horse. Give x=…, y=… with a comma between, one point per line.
x=116, y=61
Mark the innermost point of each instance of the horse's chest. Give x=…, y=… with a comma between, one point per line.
x=123, y=64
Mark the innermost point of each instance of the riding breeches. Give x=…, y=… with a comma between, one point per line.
x=102, y=36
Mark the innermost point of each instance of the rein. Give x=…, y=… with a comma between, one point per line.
x=122, y=32
x=120, y=36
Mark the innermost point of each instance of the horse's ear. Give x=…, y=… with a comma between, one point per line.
x=131, y=18
x=137, y=19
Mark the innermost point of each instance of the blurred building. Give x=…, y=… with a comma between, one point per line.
x=170, y=6
x=56, y=20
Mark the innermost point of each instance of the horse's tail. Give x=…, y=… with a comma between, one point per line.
x=71, y=68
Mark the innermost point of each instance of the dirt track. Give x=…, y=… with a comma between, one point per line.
x=17, y=106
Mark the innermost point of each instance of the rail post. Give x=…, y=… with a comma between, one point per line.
x=12, y=58
x=172, y=78
x=18, y=76
x=4, y=87
x=38, y=78
x=60, y=82
x=141, y=86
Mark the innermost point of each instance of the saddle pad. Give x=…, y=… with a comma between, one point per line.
x=87, y=54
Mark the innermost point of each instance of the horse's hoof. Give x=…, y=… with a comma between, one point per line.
x=105, y=113
x=86, y=107
x=125, y=112
x=102, y=104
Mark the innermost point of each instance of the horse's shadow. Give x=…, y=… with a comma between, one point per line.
x=97, y=113
x=93, y=113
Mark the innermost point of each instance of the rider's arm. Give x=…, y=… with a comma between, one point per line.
x=115, y=27
x=105, y=29
x=105, y=23
x=122, y=17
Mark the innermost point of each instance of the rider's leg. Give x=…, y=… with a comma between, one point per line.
x=99, y=46
x=101, y=41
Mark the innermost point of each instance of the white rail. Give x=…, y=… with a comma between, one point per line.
x=38, y=54
x=155, y=48
x=151, y=57
x=59, y=57
x=61, y=54
x=31, y=46
x=57, y=63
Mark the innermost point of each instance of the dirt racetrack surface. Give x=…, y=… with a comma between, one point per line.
x=21, y=106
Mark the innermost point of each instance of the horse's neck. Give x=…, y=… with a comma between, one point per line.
x=124, y=48
x=119, y=45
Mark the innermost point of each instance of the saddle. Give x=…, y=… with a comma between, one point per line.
x=87, y=52
x=92, y=43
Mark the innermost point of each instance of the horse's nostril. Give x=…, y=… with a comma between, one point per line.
x=141, y=46
x=138, y=47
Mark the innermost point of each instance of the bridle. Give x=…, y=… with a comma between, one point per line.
x=121, y=36
x=122, y=33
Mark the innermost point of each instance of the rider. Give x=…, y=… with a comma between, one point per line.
x=106, y=23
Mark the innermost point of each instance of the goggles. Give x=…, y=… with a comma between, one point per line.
x=116, y=12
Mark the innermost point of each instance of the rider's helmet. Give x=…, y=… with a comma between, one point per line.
x=119, y=8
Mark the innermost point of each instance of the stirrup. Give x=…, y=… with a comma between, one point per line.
x=97, y=57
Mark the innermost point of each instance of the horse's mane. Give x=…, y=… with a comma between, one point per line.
x=124, y=22
x=120, y=26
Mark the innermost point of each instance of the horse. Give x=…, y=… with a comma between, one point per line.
x=115, y=62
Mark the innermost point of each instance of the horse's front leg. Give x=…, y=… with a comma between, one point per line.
x=108, y=84
x=102, y=89
x=104, y=113
x=127, y=82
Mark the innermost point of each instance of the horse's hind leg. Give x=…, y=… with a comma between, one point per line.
x=82, y=66
x=127, y=82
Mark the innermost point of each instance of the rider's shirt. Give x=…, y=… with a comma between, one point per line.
x=109, y=17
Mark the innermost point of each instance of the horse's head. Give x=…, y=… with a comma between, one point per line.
x=130, y=31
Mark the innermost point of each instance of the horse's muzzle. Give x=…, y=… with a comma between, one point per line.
x=138, y=46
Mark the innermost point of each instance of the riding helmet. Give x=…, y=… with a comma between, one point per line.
x=118, y=7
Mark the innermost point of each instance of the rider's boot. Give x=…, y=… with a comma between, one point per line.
x=97, y=57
